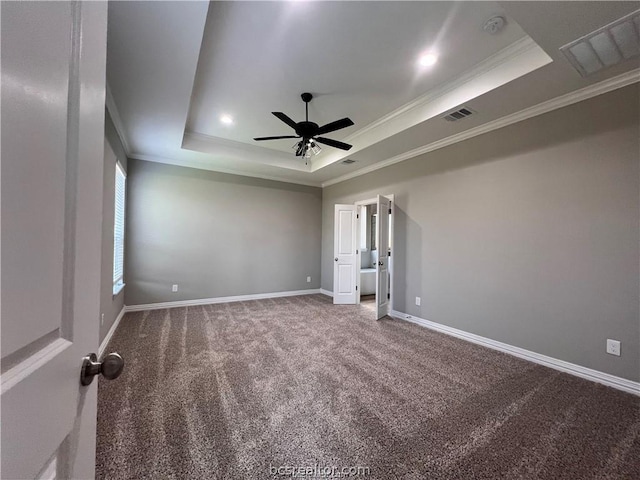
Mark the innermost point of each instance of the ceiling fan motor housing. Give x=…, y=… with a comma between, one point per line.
x=306, y=129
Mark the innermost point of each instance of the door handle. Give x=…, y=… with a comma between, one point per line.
x=336, y=259
x=380, y=263
x=111, y=367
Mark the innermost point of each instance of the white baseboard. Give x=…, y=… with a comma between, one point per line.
x=208, y=301
x=571, y=368
x=326, y=292
x=104, y=343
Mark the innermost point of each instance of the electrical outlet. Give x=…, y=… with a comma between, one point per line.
x=418, y=301
x=613, y=347
x=308, y=279
x=101, y=319
x=174, y=288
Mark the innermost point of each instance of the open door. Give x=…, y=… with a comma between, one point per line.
x=53, y=91
x=382, y=268
x=345, y=257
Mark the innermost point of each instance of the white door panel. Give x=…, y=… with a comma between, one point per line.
x=52, y=100
x=345, y=282
x=345, y=258
x=382, y=268
x=345, y=233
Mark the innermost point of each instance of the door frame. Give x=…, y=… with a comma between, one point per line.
x=374, y=201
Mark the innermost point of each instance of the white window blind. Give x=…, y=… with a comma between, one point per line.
x=118, y=230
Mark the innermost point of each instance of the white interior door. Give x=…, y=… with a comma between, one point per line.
x=382, y=268
x=344, y=255
x=52, y=100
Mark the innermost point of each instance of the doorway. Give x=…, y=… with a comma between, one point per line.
x=374, y=267
x=362, y=250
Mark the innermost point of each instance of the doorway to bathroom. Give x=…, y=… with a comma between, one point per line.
x=363, y=244
x=374, y=233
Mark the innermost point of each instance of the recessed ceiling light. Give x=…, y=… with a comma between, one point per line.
x=428, y=59
x=226, y=119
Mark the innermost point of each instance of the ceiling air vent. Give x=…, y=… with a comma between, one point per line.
x=348, y=161
x=458, y=114
x=607, y=46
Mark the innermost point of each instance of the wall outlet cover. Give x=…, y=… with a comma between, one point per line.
x=418, y=301
x=174, y=288
x=613, y=347
x=308, y=279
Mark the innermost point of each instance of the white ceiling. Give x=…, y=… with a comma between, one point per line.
x=173, y=68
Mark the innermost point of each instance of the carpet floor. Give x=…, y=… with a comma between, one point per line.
x=252, y=390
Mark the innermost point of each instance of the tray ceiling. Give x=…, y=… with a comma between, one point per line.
x=174, y=68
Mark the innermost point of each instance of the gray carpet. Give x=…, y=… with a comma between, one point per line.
x=232, y=391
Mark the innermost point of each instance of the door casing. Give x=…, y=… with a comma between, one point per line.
x=392, y=243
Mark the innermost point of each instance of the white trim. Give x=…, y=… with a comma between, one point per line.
x=512, y=62
x=567, y=367
x=116, y=118
x=49, y=472
x=22, y=370
x=107, y=338
x=515, y=50
x=211, y=168
x=208, y=301
x=545, y=107
x=328, y=293
x=194, y=141
x=117, y=288
x=371, y=201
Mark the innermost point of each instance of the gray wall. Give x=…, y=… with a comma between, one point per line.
x=528, y=235
x=217, y=235
x=110, y=305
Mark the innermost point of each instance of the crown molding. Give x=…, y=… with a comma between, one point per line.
x=205, y=166
x=116, y=119
x=494, y=61
x=565, y=100
x=209, y=144
x=516, y=60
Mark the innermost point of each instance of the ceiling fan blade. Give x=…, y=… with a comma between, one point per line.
x=285, y=119
x=275, y=138
x=333, y=126
x=333, y=143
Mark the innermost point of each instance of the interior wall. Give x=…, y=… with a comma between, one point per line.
x=110, y=305
x=528, y=235
x=217, y=235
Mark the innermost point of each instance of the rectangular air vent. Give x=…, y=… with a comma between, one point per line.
x=607, y=46
x=458, y=114
x=348, y=161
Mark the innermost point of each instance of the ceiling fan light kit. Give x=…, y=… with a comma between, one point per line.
x=309, y=132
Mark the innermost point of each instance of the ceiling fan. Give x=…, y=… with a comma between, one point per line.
x=309, y=131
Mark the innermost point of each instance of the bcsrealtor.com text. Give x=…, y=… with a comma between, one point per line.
x=319, y=471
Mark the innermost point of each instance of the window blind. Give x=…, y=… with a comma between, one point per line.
x=118, y=227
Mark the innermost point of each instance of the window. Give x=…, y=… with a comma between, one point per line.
x=362, y=212
x=374, y=220
x=118, y=231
